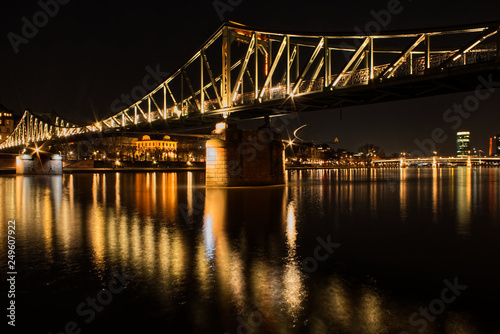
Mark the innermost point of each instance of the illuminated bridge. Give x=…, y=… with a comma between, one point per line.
x=246, y=73
x=242, y=72
x=439, y=161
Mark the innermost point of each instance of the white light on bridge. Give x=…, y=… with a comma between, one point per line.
x=177, y=111
x=219, y=127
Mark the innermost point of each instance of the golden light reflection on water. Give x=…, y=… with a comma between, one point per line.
x=293, y=285
x=227, y=259
x=435, y=189
x=48, y=225
x=403, y=209
x=372, y=314
x=340, y=303
x=463, y=199
x=351, y=308
x=294, y=291
x=152, y=238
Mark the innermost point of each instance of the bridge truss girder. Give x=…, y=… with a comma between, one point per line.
x=245, y=72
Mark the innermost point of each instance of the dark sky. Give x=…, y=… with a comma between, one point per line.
x=91, y=52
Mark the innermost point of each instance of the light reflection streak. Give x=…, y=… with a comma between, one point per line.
x=96, y=230
x=374, y=186
x=435, y=199
x=403, y=205
x=117, y=191
x=178, y=254
x=164, y=253
x=209, y=238
x=371, y=311
x=103, y=185
x=463, y=200
x=48, y=230
x=190, y=193
x=228, y=262
x=149, y=251
x=293, y=285
x=340, y=304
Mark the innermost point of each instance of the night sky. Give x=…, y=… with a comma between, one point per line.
x=91, y=52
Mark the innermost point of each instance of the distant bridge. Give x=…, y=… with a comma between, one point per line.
x=439, y=161
x=243, y=73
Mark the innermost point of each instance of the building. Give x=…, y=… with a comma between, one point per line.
x=7, y=123
x=161, y=149
x=463, y=144
x=495, y=146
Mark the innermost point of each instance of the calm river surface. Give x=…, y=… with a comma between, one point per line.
x=340, y=251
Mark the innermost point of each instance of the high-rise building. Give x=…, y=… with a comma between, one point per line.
x=463, y=144
x=495, y=146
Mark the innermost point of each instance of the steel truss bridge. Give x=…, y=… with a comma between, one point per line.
x=439, y=161
x=242, y=73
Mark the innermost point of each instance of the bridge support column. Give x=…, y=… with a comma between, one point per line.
x=39, y=164
x=244, y=157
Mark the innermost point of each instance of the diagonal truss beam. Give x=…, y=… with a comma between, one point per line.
x=488, y=32
x=399, y=61
x=191, y=99
x=273, y=66
x=356, y=55
x=309, y=64
x=354, y=68
x=243, y=68
x=211, y=75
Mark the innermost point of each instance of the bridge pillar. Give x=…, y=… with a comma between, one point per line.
x=39, y=164
x=238, y=157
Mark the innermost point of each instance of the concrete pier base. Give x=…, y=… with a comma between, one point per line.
x=237, y=157
x=39, y=164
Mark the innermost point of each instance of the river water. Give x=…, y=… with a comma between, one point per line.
x=411, y=250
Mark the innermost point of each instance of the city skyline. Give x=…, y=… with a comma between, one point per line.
x=92, y=84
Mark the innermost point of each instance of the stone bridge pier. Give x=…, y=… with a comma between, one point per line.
x=39, y=164
x=236, y=157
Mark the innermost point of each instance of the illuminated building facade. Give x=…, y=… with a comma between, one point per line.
x=155, y=149
x=7, y=124
x=463, y=144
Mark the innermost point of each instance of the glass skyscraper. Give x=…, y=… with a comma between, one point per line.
x=463, y=144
